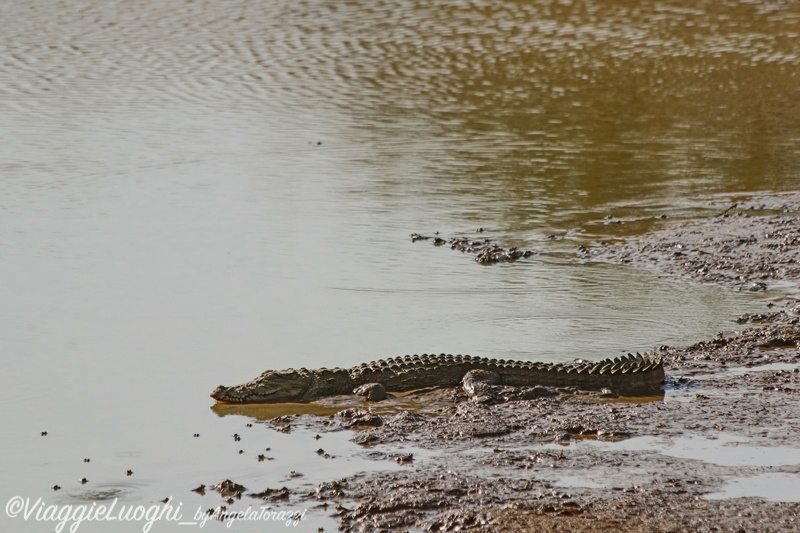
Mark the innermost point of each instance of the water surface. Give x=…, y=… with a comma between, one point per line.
x=193, y=192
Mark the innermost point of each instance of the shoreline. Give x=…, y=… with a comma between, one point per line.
x=580, y=462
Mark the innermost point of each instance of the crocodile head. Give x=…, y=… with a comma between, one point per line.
x=270, y=387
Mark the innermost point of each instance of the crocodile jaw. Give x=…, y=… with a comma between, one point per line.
x=270, y=387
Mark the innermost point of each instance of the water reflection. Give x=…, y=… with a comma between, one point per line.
x=270, y=411
x=523, y=111
x=519, y=108
x=431, y=401
x=194, y=191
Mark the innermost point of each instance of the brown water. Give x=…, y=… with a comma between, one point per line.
x=192, y=192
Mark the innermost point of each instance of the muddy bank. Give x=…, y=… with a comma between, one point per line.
x=500, y=467
x=578, y=461
x=749, y=246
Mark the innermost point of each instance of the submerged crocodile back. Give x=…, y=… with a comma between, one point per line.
x=632, y=374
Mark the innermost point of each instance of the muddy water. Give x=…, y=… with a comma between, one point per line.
x=192, y=192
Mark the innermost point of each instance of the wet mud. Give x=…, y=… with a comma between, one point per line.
x=568, y=460
x=582, y=461
x=750, y=245
x=486, y=251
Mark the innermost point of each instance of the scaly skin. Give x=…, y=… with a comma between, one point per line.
x=630, y=375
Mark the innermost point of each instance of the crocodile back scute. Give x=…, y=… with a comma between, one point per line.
x=635, y=374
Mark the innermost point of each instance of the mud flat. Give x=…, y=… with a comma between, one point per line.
x=717, y=452
x=577, y=462
x=750, y=245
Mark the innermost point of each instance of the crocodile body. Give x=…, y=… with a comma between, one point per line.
x=630, y=375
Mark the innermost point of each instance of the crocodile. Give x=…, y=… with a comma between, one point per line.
x=631, y=375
